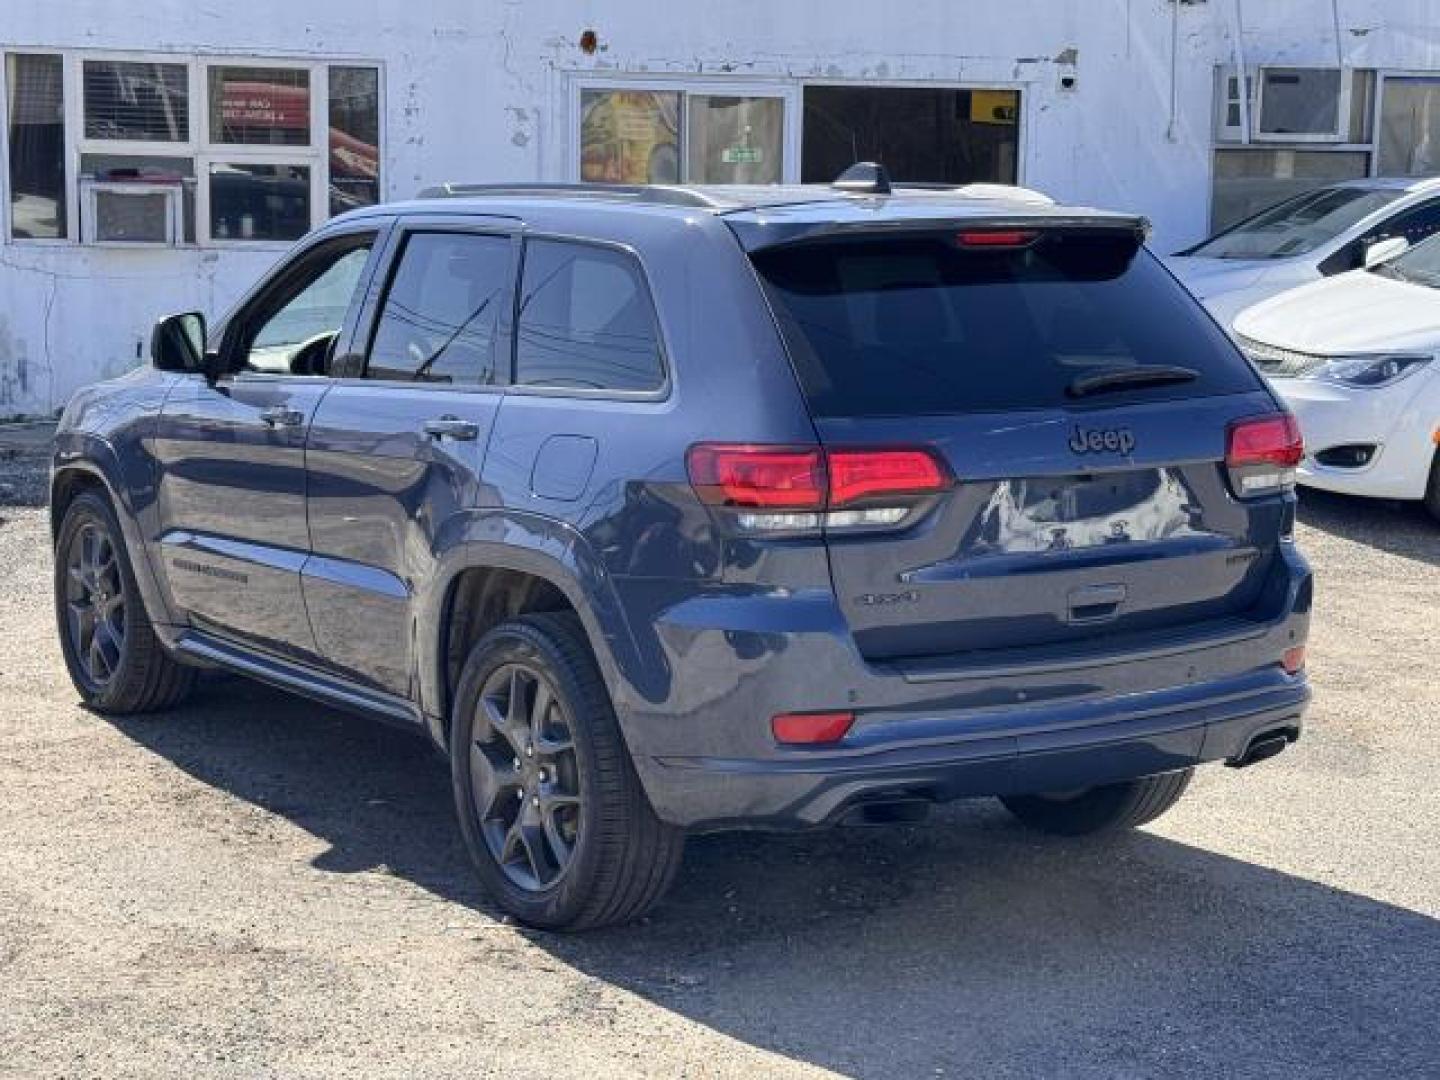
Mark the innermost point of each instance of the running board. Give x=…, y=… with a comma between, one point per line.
x=300, y=679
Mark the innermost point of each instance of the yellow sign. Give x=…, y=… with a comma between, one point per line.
x=994, y=106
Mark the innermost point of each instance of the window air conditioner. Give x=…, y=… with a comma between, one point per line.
x=132, y=213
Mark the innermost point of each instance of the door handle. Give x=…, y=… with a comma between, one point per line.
x=451, y=427
x=280, y=416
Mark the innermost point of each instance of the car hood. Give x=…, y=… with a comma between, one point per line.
x=1211, y=277
x=1355, y=312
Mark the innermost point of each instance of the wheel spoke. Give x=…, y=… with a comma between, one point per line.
x=540, y=707
x=488, y=781
x=559, y=846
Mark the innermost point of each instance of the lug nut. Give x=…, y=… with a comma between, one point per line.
x=529, y=751
x=535, y=800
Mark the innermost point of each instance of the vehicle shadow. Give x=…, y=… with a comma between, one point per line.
x=961, y=947
x=1395, y=527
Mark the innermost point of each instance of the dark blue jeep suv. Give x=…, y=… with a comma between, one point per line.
x=664, y=509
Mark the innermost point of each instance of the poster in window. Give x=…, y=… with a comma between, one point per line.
x=629, y=137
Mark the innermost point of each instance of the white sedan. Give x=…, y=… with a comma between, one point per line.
x=1354, y=357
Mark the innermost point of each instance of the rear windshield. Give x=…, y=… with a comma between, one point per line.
x=917, y=324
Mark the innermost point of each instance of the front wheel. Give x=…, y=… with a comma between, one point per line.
x=550, y=807
x=1432, y=489
x=1101, y=809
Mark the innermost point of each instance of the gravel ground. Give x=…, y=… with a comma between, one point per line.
x=256, y=886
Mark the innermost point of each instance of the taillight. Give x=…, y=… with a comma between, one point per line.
x=777, y=477
x=865, y=474
x=1261, y=454
x=796, y=489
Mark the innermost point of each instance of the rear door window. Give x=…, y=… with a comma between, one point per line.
x=440, y=313
x=916, y=324
x=586, y=320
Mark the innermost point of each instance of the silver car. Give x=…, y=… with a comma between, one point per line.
x=1323, y=232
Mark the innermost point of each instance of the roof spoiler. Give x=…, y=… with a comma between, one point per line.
x=756, y=236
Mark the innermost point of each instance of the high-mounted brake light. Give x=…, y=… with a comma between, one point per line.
x=796, y=488
x=998, y=238
x=1261, y=454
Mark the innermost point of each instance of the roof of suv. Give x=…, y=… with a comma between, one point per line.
x=797, y=204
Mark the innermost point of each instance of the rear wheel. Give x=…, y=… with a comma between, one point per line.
x=1101, y=809
x=551, y=810
x=111, y=651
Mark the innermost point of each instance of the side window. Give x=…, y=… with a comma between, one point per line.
x=439, y=317
x=586, y=320
x=1416, y=224
x=295, y=327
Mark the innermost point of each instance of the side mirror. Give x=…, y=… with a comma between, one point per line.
x=1385, y=250
x=178, y=343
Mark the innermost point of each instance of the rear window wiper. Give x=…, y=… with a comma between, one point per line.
x=1125, y=378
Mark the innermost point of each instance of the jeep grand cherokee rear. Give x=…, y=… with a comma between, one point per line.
x=1056, y=510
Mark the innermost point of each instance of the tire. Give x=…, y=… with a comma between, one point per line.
x=112, y=654
x=1432, y=489
x=568, y=840
x=1101, y=809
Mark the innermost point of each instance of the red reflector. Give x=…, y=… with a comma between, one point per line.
x=998, y=238
x=778, y=477
x=1293, y=660
x=860, y=474
x=811, y=728
x=1265, y=440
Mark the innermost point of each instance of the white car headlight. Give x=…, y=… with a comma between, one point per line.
x=1368, y=372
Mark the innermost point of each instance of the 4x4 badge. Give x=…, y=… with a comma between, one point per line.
x=1102, y=440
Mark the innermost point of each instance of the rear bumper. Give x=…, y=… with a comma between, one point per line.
x=959, y=758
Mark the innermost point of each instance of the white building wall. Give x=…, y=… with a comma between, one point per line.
x=481, y=90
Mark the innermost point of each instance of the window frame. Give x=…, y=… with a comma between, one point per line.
x=222, y=336
x=382, y=279
x=199, y=147
x=667, y=380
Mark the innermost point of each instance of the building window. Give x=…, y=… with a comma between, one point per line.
x=219, y=152
x=136, y=102
x=259, y=202
x=633, y=135
x=1250, y=180
x=735, y=140
x=354, y=138
x=932, y=135
x=1410, y=127
x=35, y=132
x=257, y=106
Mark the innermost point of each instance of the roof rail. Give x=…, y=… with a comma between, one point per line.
x=664, y=194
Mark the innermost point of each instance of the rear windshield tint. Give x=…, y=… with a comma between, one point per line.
x=917, y=324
